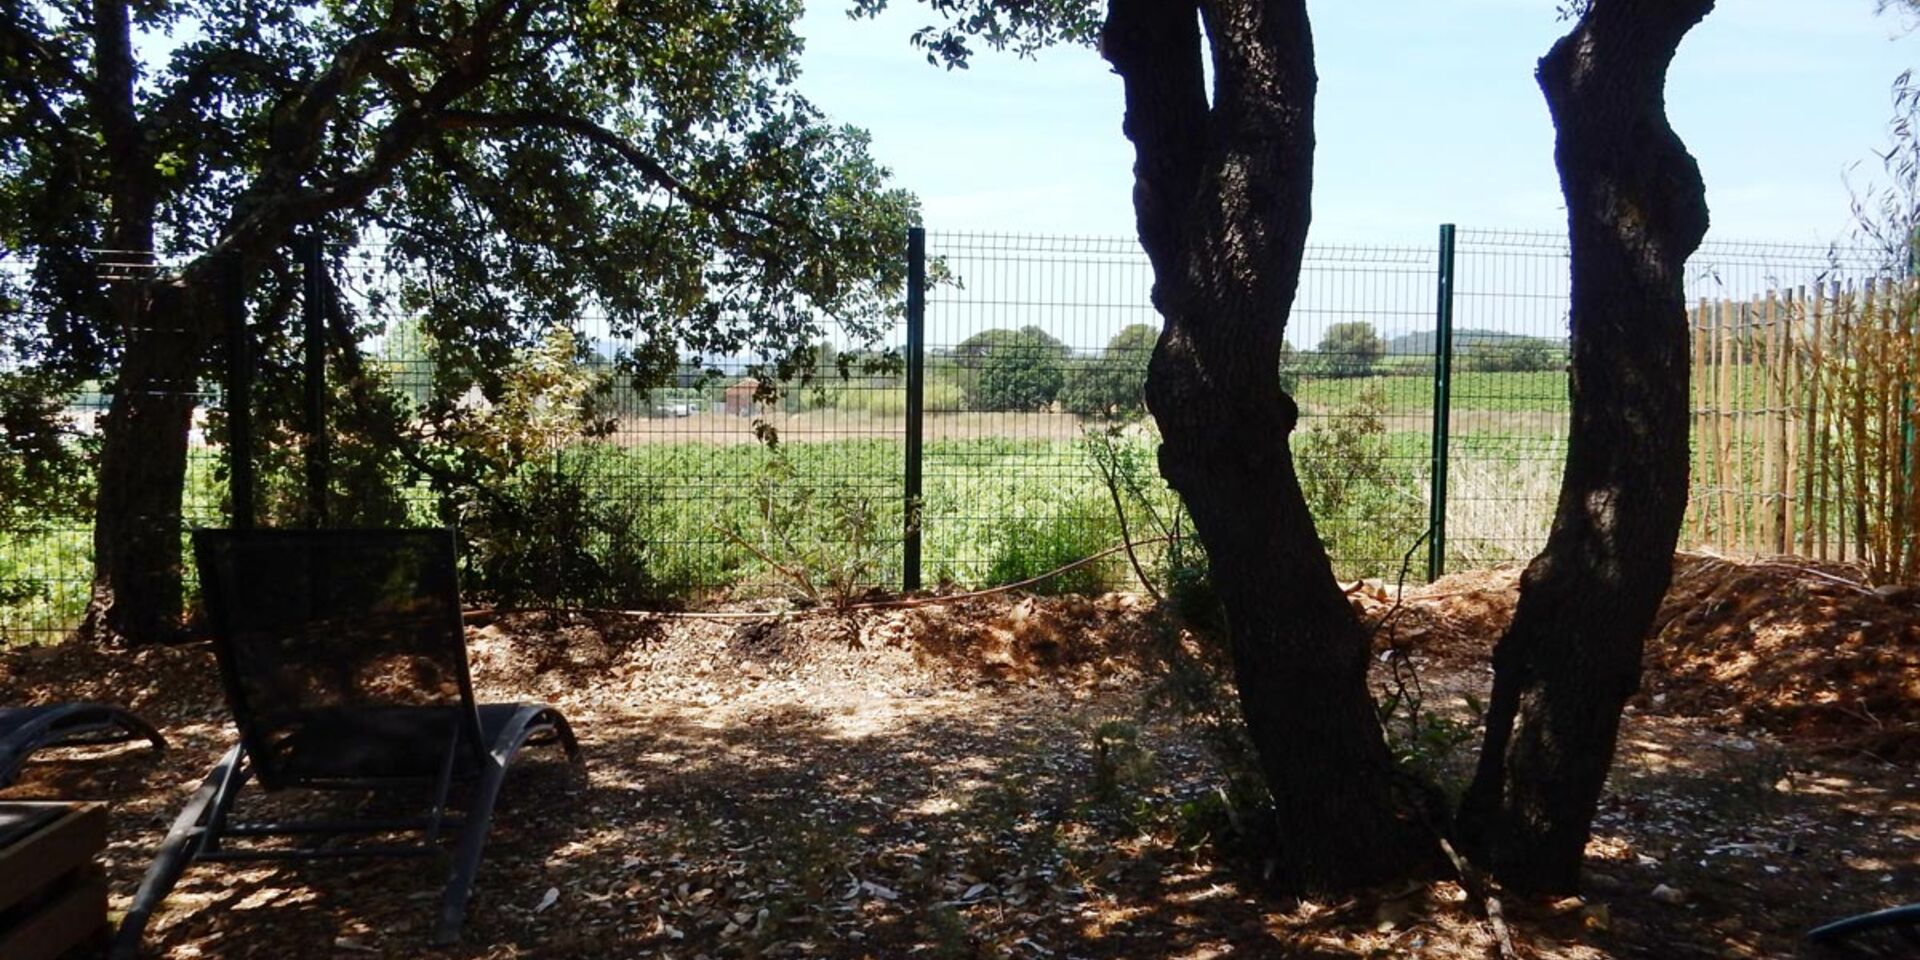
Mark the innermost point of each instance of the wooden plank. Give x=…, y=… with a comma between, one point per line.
x=1746, y=366
x=1725, y=429
x=1765, y=362
x=1821, y=444
x=1852, y=467
x=1885, y=416
x=56, y=849
x=1794, y=403
x=1700, y=498
x=1711, y=333
x=1879, y=331
x=72, y=918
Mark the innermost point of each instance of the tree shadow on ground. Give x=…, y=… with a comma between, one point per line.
x=985, y=823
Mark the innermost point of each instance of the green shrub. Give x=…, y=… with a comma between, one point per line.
x=545, y=536
x=824, y=542
x=1110, y=386
x=1351, y=349
x=1365, y=509
x=1433, y=748
x=1014, y=369
x=1515, y=355
x=1025, y=547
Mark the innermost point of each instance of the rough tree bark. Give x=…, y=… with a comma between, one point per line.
x=136, y=532
x=1221, y=197
x=1636, y=209
x=167, y=321
x=136, y=596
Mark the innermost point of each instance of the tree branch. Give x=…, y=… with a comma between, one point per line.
x=199, y=81
x=601, y=136
x=10, y=28
x=62, y=139
x=1154, y=45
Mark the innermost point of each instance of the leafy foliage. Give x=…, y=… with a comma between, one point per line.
x=43, y=475
x=1429, y=745
x=541, y=535
x=1515, y=355
x=823, y=542
x=534, y=159
x=1361, y=505
x=1110, y=386
x=1027, y=547
x=1886, y=216
x=1350, y=349
x=1024, y=27
x=1013, y=369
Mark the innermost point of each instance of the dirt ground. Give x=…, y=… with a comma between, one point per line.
x=994, y=779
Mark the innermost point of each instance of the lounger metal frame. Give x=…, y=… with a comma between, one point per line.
x=1902, y=921
x=26, y=730
x=204, y=828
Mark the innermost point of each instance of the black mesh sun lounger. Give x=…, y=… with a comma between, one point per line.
x=24, y=730
x=345, y=666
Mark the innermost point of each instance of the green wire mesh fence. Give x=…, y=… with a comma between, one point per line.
x=1419, y=371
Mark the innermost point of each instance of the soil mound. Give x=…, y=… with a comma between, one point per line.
x=1796, y=648
x=1800, y=649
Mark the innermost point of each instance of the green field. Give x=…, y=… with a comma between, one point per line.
x=1532, y=392
x=729, y=518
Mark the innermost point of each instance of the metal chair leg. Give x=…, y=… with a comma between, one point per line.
x=184, y=841
x=91, y=724
x=479, y=816
x=138, y=729
x=466, y=855
x=1894, y=918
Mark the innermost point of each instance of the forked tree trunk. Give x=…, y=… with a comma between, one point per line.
x=1221, y=195
x=1636, y=210
x=136, y=595
x=136, y=592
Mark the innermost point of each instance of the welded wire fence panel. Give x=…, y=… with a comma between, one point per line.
x=574, y=481
x=819, y=511
x=1360, y=362
x=1029, y=341
x=581, y=480
x=1508, y=439
x=49, y=450
x=1035, y=342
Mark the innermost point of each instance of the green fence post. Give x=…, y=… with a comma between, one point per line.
x=1442, y=403
x=239, y=388
x=916, y=397
x=318, y=449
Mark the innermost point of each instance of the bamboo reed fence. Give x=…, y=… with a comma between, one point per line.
x=1804, y=425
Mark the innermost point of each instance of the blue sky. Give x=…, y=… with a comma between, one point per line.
x=1427, y=113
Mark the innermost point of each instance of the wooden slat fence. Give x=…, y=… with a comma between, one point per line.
x=1804, y=425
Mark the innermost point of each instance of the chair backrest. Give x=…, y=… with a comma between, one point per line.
x=342, y=652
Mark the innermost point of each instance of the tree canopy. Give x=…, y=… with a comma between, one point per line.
x=1108, y=386
x=517, y=163
x=495, y=168
x=1349, y=349
x=1020, y=369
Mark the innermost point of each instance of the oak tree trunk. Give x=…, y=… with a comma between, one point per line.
x=136, y=596
x=1636, y=210
x=1221, y=197
x=136, y=592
